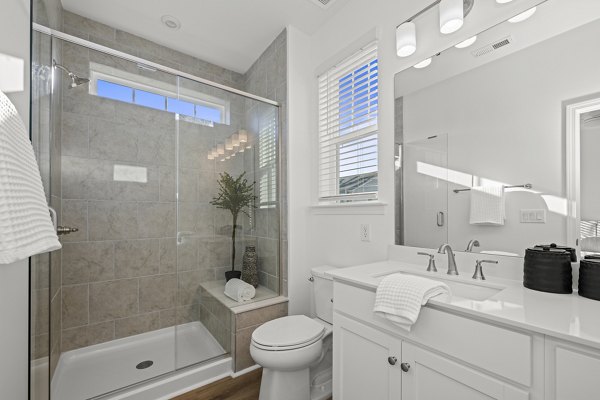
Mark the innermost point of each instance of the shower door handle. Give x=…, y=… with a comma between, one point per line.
x=440, y=219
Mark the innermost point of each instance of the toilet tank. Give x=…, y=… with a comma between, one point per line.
x=323, y=292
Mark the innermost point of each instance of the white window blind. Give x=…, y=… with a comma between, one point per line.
x=267, y=158
x=348, y=105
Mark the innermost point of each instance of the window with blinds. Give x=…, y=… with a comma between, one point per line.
x=348, y=105
x=267, y=158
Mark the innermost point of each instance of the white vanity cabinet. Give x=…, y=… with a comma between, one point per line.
x=445, y=356
x=572, y=371
x=430, y=376
x=366, y=361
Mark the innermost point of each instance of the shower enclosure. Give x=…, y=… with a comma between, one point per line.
x=130, y=154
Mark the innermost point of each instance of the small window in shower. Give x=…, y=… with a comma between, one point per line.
x=124, y=86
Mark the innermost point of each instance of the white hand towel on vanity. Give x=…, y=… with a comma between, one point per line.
x=239, y=290
x=487, y=205
x=399, y=297
x=25, y=225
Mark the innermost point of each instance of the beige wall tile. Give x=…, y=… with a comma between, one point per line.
x=75, y=303
x=135, y=258
x=261, y=315
x=158, y=292
x=88, y=262
x=112, y=300
x=136, y=325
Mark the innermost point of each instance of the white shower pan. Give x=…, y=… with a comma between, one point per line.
x=94, y=371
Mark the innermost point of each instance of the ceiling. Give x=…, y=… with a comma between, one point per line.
x=229, y=33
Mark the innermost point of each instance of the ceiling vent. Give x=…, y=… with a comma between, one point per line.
x=323, y=3
x=498, y=44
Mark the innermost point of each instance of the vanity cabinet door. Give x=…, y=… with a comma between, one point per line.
x=572, y=372
x=431, y=376
x=366, y=362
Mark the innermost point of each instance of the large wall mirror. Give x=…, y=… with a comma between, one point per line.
x=499, y=142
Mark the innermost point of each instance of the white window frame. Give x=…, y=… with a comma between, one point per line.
x=134, y=81
x=324, y=130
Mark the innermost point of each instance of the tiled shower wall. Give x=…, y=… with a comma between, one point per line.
x=268, y=78
x=120, y=275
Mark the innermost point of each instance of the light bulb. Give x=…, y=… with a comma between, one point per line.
x=466, y=43
x=406, y=39
x=451, y=16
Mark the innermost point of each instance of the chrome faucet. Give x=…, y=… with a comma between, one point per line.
x=472, y=243
x=446, y=249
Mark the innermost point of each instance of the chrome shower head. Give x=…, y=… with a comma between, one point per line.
x=75, y=80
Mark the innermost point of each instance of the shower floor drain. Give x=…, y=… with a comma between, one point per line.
x=144, y=364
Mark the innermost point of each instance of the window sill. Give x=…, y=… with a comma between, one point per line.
x=356, y=208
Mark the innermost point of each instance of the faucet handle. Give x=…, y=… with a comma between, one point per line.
x=431, y=266
x=479, y=270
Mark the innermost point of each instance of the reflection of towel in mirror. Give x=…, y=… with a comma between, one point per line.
x=487, y=205
x=591, y=244
x=239, y=290
x=25, y=225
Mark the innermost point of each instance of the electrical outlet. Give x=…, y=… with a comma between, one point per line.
x=533, y=216
x=365, y=232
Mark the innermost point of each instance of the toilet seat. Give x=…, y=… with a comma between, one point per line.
x=288, y=333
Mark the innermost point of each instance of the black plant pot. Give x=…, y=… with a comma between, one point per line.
x=232, y=274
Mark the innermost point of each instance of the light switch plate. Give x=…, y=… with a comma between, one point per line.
x=533, y=216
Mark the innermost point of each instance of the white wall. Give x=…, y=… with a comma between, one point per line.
x=590, y=165
x=504, y=123
x=14, y=278
x=334, y=239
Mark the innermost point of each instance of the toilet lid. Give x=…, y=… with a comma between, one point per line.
x=291, y=331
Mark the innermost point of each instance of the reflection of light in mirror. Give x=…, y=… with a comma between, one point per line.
x=466, y=43
x=555, y=204
x=460, y=178
x=575, y=326
x=523, y=16
x=423, y=64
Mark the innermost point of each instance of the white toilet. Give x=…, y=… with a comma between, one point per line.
x=296, y=351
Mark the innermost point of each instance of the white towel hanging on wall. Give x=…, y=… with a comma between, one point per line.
x=25, y=225
x=487, y=205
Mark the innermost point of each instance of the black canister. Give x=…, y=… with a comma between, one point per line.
x=548, y=269
x=589, y=277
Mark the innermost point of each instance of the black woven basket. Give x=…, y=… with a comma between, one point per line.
x=548, y=269
x=589, y=277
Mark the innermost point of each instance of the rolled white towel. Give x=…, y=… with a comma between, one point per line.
x=399, y=297
x=239, y=290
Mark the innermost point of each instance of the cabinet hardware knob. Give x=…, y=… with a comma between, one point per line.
x=405, y=367
x=311, y=279
x=392, y=360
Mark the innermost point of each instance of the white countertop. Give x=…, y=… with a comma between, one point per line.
x=563, y=316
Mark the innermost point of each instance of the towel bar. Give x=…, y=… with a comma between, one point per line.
x=526, y=186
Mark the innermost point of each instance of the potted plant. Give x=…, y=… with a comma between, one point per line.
x=235, y=195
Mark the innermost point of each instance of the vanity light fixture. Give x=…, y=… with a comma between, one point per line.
x=451, y=16
x=228, y=144
x=406, y=39
x=466, y=43
x=523, y=16
x=235, y=139
x=423, y=64
x=220, y=149
x=503, y=1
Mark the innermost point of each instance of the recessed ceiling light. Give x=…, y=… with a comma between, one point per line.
x=423, y=64
x=171, y=22
x=466, y=43
x=523, y=16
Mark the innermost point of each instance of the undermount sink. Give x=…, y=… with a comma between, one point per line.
x=476, y=290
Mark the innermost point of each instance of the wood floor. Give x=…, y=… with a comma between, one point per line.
x=245, y=387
